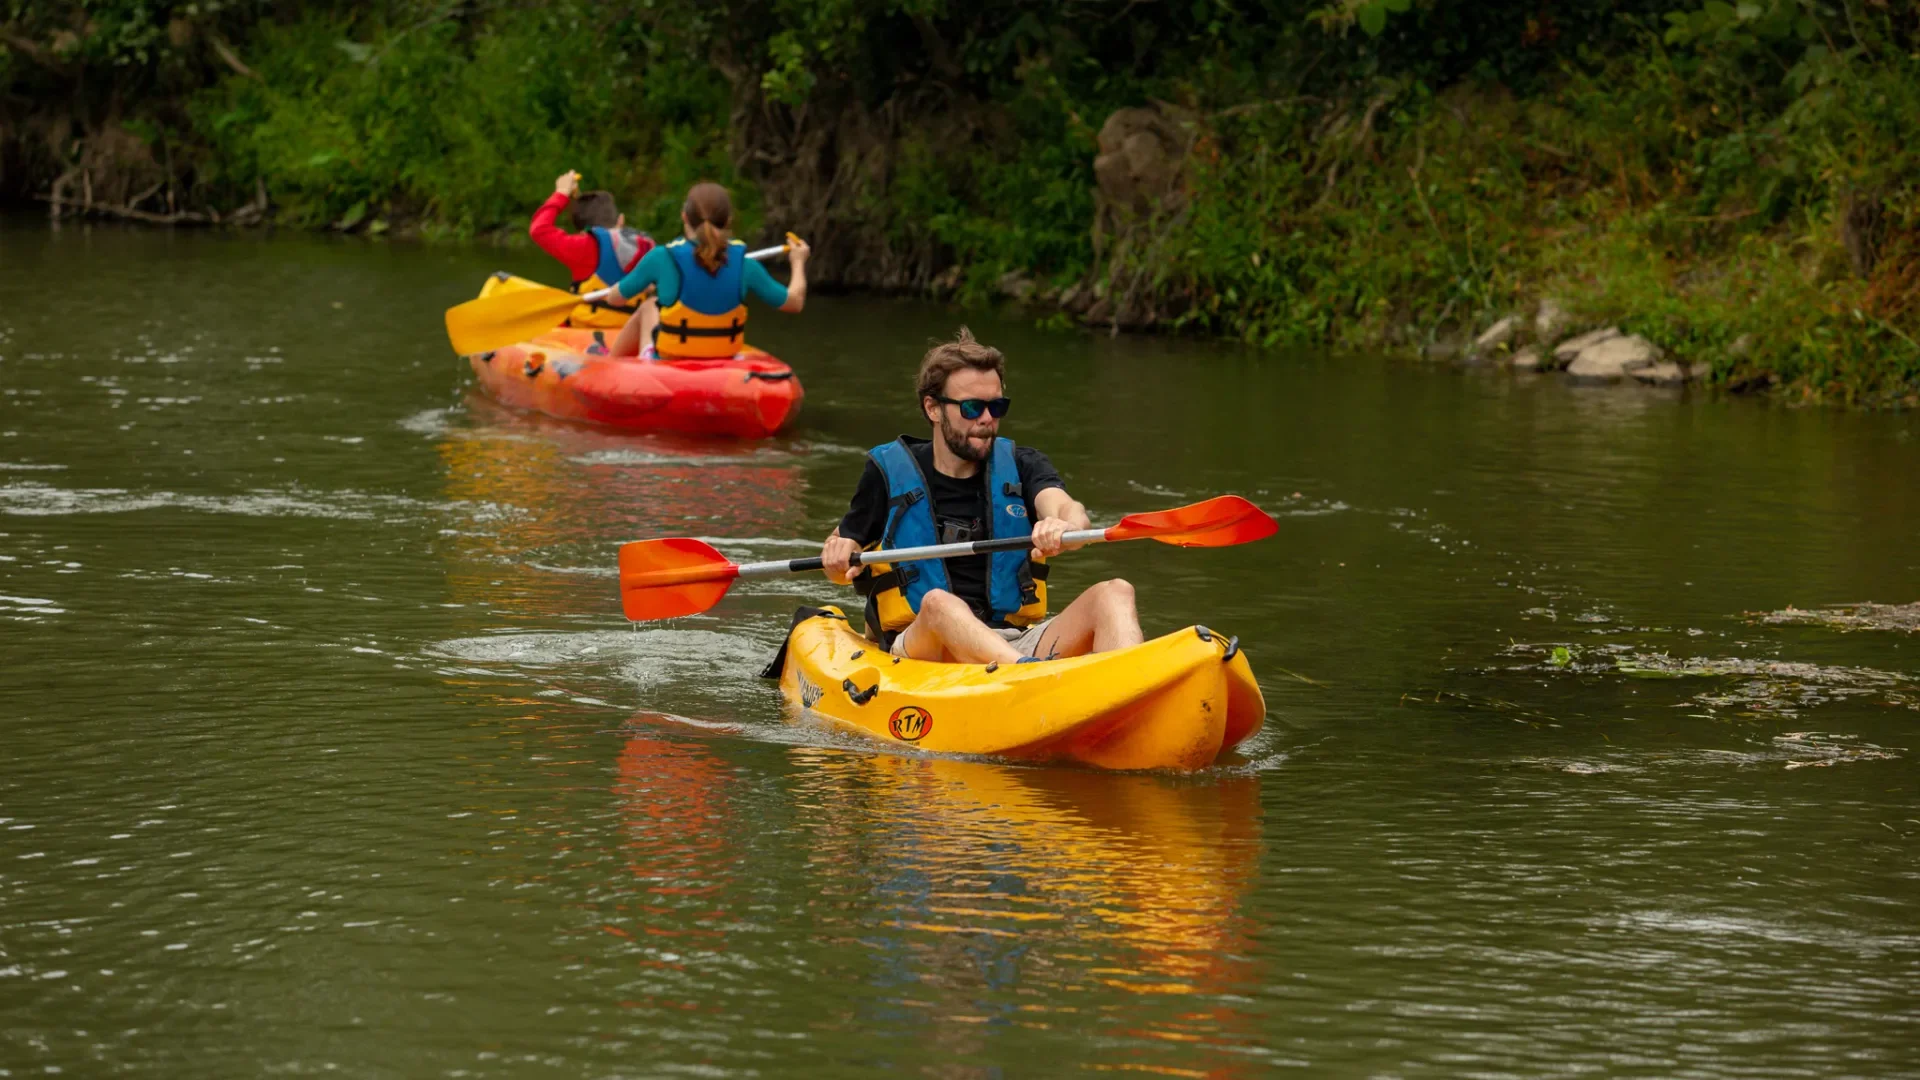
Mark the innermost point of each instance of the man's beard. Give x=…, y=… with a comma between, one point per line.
x=964, y=450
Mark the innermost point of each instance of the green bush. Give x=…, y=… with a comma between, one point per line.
x=1724, y=179
x=462, y=134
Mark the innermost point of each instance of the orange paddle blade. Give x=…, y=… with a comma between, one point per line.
x=1217, y=522
x=664, y=579
x=507, y=316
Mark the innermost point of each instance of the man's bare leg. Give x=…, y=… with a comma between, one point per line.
x=947, y=630
x=1099, y=620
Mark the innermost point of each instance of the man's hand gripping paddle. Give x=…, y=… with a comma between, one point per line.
x=664, y=579
x=500, y=320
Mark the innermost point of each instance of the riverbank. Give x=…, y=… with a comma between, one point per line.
x=1734, y=186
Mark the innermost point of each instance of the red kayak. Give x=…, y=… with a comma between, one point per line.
x=750, y=396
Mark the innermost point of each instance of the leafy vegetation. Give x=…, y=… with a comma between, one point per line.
x=1747, y=173
x=1735, y=180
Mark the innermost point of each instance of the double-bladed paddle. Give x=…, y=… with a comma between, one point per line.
x=664, y=579
x=509, y=316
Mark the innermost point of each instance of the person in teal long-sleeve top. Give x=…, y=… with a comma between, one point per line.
x=702, y=283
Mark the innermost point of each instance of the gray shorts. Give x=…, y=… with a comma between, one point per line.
x=1023, y=640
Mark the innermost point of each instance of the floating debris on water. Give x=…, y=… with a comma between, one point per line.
x=1577, y=768
x=1793, y=750
x=1815, y=749
x=1570, y=656
x=1899, y=618
x=1752, y=688
x=1519, y=714
x=1779, y=688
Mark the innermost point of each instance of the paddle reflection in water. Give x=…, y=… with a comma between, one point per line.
x=681, y=860
x=1042, y=898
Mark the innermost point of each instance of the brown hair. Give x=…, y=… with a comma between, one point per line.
x=948, y=357
x=710, y=213
x=595, y=209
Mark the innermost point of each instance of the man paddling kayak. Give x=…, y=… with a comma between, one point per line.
x=601, y=253
x=968, y=484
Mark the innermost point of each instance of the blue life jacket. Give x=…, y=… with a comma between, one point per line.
x=619, y=253
x=709, y=319
x=1016, y=589
x=711, y=294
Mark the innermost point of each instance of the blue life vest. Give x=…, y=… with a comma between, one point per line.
x=709, y=319
x=1016, y=589
x=620, y=251
x=711, y=294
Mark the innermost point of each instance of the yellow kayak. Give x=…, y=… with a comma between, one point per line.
x=1176, y=702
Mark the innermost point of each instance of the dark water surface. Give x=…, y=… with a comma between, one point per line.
x=326, y=748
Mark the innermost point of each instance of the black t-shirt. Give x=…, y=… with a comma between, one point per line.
x=958, y=506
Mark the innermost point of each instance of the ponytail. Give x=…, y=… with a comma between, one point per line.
x=712, y=252
x=710, y=213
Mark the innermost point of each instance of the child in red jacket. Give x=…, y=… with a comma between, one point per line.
x=601, y=253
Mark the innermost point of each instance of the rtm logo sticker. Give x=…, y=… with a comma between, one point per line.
x=910, y=723
x=1017, y=510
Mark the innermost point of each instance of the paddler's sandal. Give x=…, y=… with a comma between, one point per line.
x=1033, y=660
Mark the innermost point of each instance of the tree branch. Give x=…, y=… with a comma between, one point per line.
x=226, y=52
x=32, y=50
x=184, y=217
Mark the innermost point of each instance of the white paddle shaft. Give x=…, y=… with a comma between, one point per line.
x=930, y=551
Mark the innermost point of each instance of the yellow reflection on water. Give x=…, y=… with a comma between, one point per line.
x=1051, y=889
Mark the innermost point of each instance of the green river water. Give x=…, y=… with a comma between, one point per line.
x=327, y=750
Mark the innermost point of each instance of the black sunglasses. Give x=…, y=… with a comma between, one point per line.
x=971, y=408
